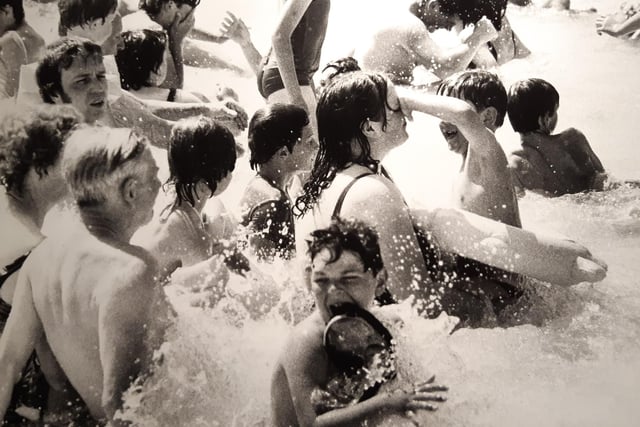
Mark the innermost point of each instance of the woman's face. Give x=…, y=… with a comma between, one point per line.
x=395, y=132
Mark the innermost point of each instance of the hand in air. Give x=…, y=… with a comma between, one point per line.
x=424, y=396
x=604, y=24
x=235, y=29
x=181, y=26
x=486, y=30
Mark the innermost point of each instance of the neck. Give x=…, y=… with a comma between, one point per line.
x=31, y=211
x=274, y=175
x=105, y=226
x=532, y=138
x=199, y=205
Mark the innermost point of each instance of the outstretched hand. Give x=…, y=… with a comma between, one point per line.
x=423, y=396
x=235, y=29
x=605, y=24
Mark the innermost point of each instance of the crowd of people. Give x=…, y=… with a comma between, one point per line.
x=82, y=312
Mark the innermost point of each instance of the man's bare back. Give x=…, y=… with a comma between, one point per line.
x=86, y=293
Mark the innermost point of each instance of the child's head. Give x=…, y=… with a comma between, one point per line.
x=484, y=92
x=164, y=11
x=533, y=106
x=281, y=132
x=141, y=56
x=91, y=19
x=202, y=155
x=346, y=265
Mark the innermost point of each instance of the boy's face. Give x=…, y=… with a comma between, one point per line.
x=98, y=31
x=341, y=281
x=457, y=142
x=304, y=151
x=84, y=85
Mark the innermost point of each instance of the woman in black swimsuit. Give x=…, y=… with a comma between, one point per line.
x=30, y=148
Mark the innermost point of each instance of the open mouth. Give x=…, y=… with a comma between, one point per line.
x=449, y=134
x=97, y=103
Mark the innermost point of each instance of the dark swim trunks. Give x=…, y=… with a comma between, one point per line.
x=32, y=389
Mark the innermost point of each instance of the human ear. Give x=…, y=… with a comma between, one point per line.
x=129, y=190
x=368, y=128
x=489, y=116
x=381, y=281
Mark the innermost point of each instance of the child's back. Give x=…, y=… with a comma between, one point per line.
x=557, y=164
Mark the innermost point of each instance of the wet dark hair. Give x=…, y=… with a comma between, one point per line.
x=348, y=235
x=273, y=127
x=138, y=54
x=342, y=109
x=200, y=149
x=59, y=56
x=481, y=88
x=18, y=10
x=74, y=13
x=153, y=7
x=471, y=11
x=32, y=140
x=341, y=66
x=530, y=100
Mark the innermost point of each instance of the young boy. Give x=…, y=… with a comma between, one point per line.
x=282, y=144
x=96, y=20
x=484, y=184
x=346, y=267
x=553, y=164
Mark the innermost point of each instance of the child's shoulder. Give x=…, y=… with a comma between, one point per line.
x=570, y=136
x=258, y=191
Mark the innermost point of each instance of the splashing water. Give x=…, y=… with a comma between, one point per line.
x=581, y=368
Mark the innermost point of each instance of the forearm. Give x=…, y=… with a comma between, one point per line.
x=283, y=52
x=446, y=108
x=630, y=25
x=9, y=375
x=176, y=111
x=176, y=80
x=205, y=274
x=457, y=58
x=199, y=34
x=355, y=414
x=254, y=58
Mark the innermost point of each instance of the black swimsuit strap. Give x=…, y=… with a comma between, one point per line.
x=12, y=268
x=340, y=202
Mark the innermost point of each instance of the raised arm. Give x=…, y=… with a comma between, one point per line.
x=17, y=342
x=283, y=50
x=177, y=32
x=235, y=29
x=444, y=62
x=382, y=207
x=11, y=58
x=455, y=111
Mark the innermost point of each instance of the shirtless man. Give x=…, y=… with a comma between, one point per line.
x=72, y=72
x=484, y=185
x=401, y=42
x=19, y=44
x=93, y=296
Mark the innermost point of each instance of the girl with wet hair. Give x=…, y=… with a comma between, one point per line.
x=359, y=122
x=201, y=158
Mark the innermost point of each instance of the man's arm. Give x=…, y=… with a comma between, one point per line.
x=283, y=51
x=177, y=32
x=607, y=25
x=18, y=340
x=125, y=318
x=11, y=58
x=444, y=62
x=130, y=112
x=235, y=29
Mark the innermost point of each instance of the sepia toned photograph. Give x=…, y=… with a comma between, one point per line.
x=256, y=213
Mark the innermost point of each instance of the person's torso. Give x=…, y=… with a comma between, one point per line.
x=308, y=37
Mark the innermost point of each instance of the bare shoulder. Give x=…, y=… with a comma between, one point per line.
x=258, y=191
x=571, y=136
x=304, y=341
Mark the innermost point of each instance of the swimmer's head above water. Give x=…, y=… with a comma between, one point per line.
x=446, y=13
x=164, y=11
x=533, y=106
x=72, y=72
x=16, y=9
x=142, y=57
x=92, y=19
x=345, y=266
x=484, y=92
